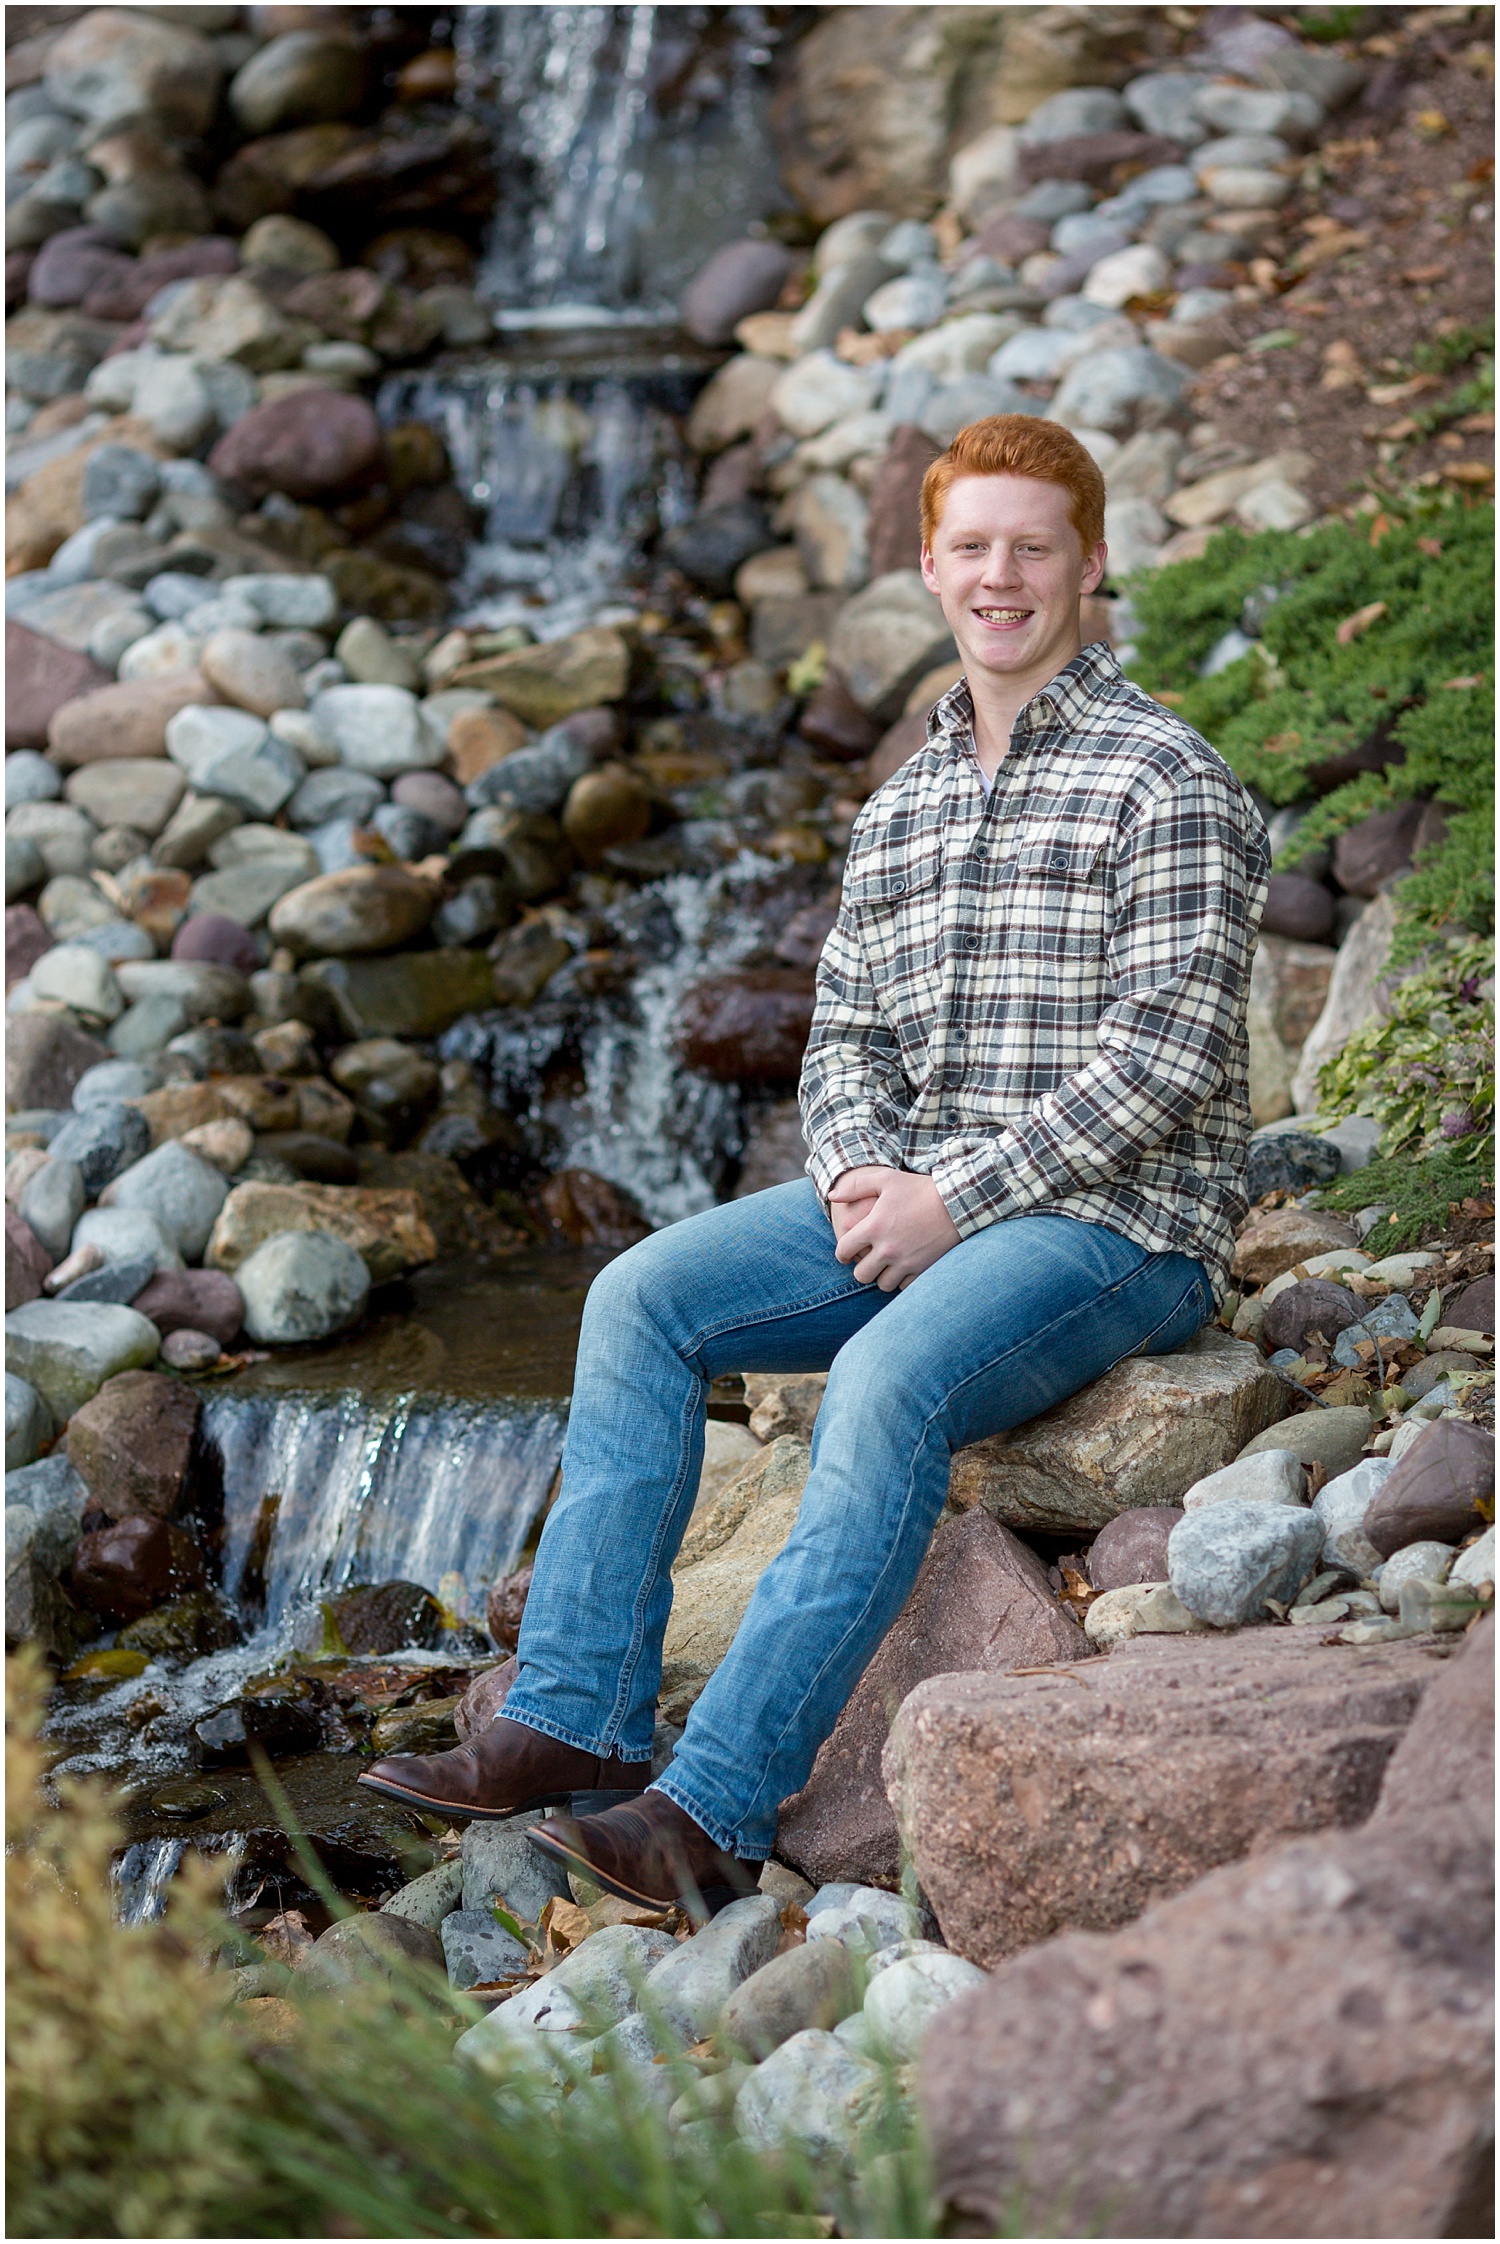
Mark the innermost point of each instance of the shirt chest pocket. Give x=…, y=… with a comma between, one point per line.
x=1055, y=895
x=897, y=906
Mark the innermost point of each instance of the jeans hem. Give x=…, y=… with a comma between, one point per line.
x=555, y=1730
x=720, y=1833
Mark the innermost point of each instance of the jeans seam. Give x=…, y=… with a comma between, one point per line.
x=849, y=1292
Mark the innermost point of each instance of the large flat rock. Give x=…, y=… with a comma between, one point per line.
x=981, y=1602
x=1140, y=1435
x=1037, y=1804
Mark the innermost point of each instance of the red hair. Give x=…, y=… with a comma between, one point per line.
x=1020, y=444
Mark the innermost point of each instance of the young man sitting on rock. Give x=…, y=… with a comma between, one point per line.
x=1025, y=1094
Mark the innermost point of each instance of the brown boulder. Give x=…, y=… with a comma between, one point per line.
x=1280, y=1239
x=26, y=940
x=980, y=1603
x=834, y=722
x=740, y=278
x=1298, y=2046
x=478, y=738
x=1132, y=1547
x=1472, y=1310
x=1296, y=907
x=125, y=291
x=123, y=1570
x=504, y=1607
x=748, y=1028
x=305, y=445
x=1037, y=1804
x=27, y=1261
x=895, y=748
x=484, y=1698
x=132, y=1443
x=895, y=529
x=39, y=677
x=1436, y=1491
x=589, y=1211
x=373, y=1949
x=44, y=1057
x=1369, y=854
x=1447, y=1757
x=1312, y=1305
x=1095, y=157
x=129, y=719
x=386, y=1229
x=193, y=1301
x=1012, y=238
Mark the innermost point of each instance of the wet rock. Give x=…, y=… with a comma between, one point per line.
x=1225, y=1559
x=417, y=993
x=814, y=2093
x=302, y=1286
x=1146, y=1431
x=605, y=807
x=40, y=677
x=383, y=1617
x=1297, y=907
x=132, y=1444
x=67, y=1352
x=28, y=1423
x=1279, y=1240
x=386, y=1229
x=121, y=1571
x=714, y=1579
x=102, y=1141
x=484, y=1699
x=498, y=1865
x=44, y=1504
x=185, y=1628
x=813, y=1986
x=372, y=1949
x=1437, y=1490
x=1320, y=1947
x=186, y=1350
x=750, y=1027
x=1289, y=1161
x=1184, y=1753
x=1312, y=1305
x=544, y=684
x=365, y=908
x=504, y=1606
x=126, y=721
x=182, y=1192
x=885, y=639
x=306, y=445
x=981, y=1601
x=278, y=1720
x=589, y=1211
x=1132, y=1547
x=44, y=1058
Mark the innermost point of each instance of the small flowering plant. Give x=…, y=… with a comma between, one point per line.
x=1424, y=1068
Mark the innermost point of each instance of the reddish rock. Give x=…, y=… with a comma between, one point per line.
x=1033, y=1805
x=1298, y=908
x=905, y=737
x=122, y=1571
x=124, y=294
x=1095, y=157
x=1312, y=1305
x=896, y=500
x=18, y=264
x=801, y=941
x=1434, y=1492
x=740, y=278
x=591, y=1212
x=193, y=1301
x=1132, y=1547
x=484, y=1698
x=981, y=1602
x=44, y=1058
x=748, y=1028
x=39, y=677
x=26, y=940
x=129, y=719
x=834, y=722
x=1472, y=1310
x=344, y=304
x=27, y=1261
x=132, y=1443
x=68, y=265
x=1447, y=1757
x=505, y=1605
x=1366, y=856
x=1013, y=238
x=306, y=445
x=1298, y=2046
x=217, y=941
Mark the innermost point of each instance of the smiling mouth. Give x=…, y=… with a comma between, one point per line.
x=1003, y=616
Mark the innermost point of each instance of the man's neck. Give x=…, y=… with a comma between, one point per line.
x=998, y=701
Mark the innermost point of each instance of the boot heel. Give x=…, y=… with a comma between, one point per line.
x=595, y=1803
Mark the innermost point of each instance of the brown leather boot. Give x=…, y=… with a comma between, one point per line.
x=502, y=1771
x=649, y=1851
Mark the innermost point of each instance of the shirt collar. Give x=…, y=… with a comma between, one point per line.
x=1069, y=701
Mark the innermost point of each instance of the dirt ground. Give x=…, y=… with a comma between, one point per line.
x=1387, y=245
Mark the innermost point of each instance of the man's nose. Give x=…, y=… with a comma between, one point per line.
x=999, y=567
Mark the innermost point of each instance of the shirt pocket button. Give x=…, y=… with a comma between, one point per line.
x=971, y=942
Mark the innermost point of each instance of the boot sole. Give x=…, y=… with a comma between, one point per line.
x=712, y=1897
x=577, y=1803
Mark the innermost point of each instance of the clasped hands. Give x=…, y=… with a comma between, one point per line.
x=890, y=1224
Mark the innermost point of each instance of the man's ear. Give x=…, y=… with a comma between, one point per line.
x=1093, y=569
x=929, y=573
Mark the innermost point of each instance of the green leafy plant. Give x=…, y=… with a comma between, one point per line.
x=1425, y=1069
x=1421, y=1195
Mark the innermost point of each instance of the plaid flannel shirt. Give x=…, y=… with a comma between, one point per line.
x=1039, y=999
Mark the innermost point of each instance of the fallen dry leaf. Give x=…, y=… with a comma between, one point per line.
x=1397, y=393
x=1355, y=626
x=1342, y=369
x=1432, y=124
x=564, y=1924
x=1421, y=276
x=1470, y=471
x=1462, y=685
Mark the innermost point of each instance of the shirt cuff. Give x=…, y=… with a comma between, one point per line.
x=847, y=1149
x=977, y=1186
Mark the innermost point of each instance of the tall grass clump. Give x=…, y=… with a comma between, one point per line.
x=144, y=2101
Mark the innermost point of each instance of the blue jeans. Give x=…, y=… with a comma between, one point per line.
x=1011, y=1320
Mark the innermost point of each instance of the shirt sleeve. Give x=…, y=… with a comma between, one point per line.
x=1189, y=887
x=853, y=1095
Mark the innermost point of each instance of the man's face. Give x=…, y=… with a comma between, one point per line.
x=1008, y=567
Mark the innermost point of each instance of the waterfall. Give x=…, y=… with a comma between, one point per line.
x=141, y=1878
x=630, y=142
x=321, y=1491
